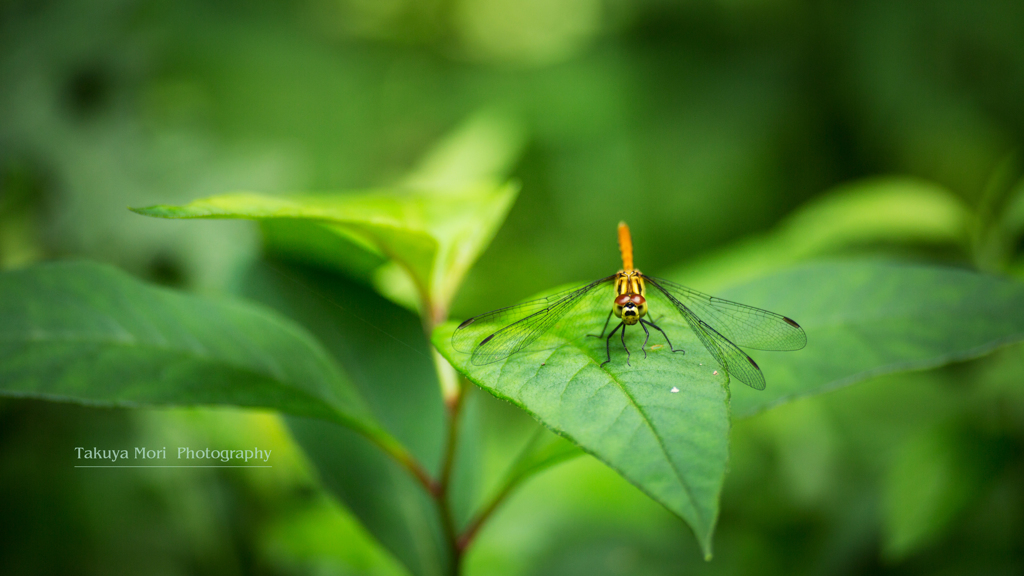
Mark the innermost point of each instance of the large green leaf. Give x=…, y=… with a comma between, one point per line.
x=89, y=333
x=382, y=348
x=869, y=318
x=862, y=319
x=663, y=423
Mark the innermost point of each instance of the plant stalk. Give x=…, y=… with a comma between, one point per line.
x=453, y=394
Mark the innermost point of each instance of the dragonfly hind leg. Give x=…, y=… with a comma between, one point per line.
x=608, y=343
x=658, y=328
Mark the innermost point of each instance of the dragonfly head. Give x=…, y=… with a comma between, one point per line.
x=630, y=307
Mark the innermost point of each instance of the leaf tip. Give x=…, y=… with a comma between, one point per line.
x=705, y=545
x=157, y=211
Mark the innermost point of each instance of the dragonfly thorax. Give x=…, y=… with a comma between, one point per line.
x=630, y=303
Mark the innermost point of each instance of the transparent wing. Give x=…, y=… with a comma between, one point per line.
x=744, y=325
x=728, y=355
x=534, y=325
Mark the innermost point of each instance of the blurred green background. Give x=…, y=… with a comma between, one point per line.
x=704, y=124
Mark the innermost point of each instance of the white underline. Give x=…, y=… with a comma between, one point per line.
x=174, y=466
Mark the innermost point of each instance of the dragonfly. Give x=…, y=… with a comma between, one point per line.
x=722, y=326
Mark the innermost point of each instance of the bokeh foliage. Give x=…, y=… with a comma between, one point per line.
x=714, y=128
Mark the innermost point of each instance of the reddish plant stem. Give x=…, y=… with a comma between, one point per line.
x=404, y=458
x=444, y=485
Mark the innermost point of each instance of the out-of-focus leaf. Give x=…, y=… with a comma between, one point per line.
x=89, y=333
x=483, y=148
x=432, y=227
x=435, y=236
x=998, y=222
x=889, y=210
x=933, y=476
x=544, y=449
x=306, y=538
x=380, y=346
x=878, y=211
x=1013, y=218
x=383, y=350
x=663, y=423
x=386, y=499
x=499, y=447
x=581, y=500
x=500, y=454
x=999, y=242
x=805, y=446
x=869, y=318
x=320, y=245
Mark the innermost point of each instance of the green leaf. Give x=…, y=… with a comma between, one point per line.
x=544, y=450
x=878, y=210
x=999, y=234
x=380, y=347
x=383, y=350
x=302, y=539
x=435, y=236
x=483, y=148
x=869, y=318
x=1013, y=218
x=89, y=333
x=319, y=245
x=386, y=499
x=933, y=477
x=662, y=423
x=891, y=211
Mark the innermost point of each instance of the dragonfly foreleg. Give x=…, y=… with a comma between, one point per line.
x=647, y=336
x=608, y=343
x=658, y=328
x=606, y=320
x=624, y=343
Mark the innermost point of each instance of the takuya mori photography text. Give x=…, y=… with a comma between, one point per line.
x=186, y=453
